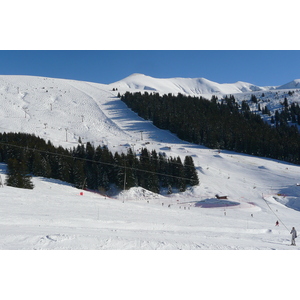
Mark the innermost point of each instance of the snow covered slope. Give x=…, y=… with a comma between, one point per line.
x=295, y=84
x=59, y=110
x=55, y=215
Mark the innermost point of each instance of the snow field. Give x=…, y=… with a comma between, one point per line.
x=55, y=216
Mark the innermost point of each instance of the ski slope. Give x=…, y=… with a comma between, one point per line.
x=55, y=215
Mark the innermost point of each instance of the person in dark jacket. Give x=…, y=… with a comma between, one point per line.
x=294, y=235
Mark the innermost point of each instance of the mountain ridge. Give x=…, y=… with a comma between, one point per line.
x=192, y=86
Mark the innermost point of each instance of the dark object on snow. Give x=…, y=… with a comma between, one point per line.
x=221, y=197
x=294, y=236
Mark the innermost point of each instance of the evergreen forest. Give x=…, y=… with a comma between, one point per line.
x=87, y=167
x=223, y=124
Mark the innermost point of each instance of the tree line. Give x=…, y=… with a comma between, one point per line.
x=90, y=167
x=219, y=124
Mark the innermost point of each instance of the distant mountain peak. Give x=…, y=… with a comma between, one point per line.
x=135, y=75
x=295, y=84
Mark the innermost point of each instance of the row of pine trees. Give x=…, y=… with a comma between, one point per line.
x=93, y=168
x=220, y=124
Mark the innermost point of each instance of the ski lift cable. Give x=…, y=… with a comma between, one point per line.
x=274, y=212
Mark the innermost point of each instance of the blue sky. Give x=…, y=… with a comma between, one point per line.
x=260, y=67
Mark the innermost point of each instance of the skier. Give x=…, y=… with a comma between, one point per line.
x=277, y=223
x=294, y=235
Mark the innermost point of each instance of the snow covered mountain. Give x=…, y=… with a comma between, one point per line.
x=295, y=84
x=55, y=216
x=65, y=110
x=190, y=86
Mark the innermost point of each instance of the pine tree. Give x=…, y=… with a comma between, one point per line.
x=285, y=103
x=78, y=174
x=163, y=170
x=190, y=171
x=17, y=175
x=254, y=98
x=245, y=106
x=118, y=171
x=178, y=174
x=132, y=163
x=37, y=167
x=104, y=181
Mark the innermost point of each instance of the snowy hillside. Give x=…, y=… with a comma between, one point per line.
x=59, y=110
x=295, y=84
x=55, y=216
x=268, y=97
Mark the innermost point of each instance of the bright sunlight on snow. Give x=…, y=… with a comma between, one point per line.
x=253, y=193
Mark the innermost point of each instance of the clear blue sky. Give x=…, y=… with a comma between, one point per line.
x=268, y=67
